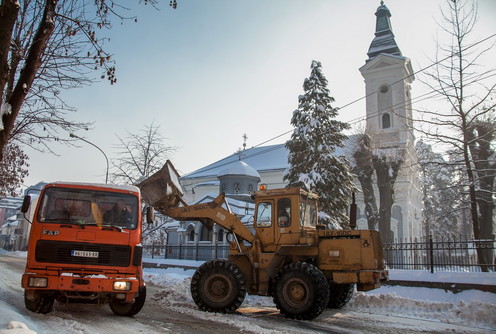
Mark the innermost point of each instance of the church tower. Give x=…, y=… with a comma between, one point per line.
x=388, y=76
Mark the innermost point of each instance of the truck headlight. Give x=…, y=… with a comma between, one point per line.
x=38, y=282
x=122, y=285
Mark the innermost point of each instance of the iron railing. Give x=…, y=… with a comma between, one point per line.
x=198, y=252
x=440, y=254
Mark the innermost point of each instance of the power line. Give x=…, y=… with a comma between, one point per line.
x=422, y=97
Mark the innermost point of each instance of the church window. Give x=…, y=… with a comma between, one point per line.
x=220, y=236
x=205, y=234
x=386, y=121
x=191, y=235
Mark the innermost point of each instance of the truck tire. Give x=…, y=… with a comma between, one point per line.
x=301, y=291
x=129, y=309
x=218, y=286
x=42, y=302
x=339, y=294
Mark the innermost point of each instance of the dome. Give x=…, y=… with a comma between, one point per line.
x=239, y=168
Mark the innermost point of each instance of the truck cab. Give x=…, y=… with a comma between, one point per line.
x=85, y=246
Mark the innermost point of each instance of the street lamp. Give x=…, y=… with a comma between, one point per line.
x=74, y=136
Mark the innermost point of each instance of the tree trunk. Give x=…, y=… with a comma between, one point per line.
x=8, y=16
x=387, y=172
x=28, y=73
x=365, y=179
x=365, y=171
x=386, y=200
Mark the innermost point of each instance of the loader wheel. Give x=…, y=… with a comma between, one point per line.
x=301, y=291
x=129, y=309
x=39, y=301
x=340, y=294
x=218, y=286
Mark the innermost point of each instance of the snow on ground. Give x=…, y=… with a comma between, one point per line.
x=469, y=308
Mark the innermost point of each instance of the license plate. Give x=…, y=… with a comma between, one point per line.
x=80, y=253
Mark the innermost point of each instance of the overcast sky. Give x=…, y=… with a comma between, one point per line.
x=212, y=70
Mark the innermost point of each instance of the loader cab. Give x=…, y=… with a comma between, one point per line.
x=282, y=215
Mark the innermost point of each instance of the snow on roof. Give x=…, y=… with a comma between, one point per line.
x=262, y=158
x=124, y=187
x=239, y=168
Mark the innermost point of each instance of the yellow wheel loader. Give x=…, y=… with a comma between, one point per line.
x=288, y=255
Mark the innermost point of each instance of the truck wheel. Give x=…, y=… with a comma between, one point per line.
x=39, y=301
x=340, y=294
x=129, y=309
x=301, y=291
x=218, y=286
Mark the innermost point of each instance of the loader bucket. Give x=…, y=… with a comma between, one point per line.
x=162, y=189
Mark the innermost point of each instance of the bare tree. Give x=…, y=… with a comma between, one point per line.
x=469, y=90
x=140, y=155
x=380, y=165
x=45, y=47
x=364, y=170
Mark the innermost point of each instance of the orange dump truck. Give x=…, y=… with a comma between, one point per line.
x=85, y=246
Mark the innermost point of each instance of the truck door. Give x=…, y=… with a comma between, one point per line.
x=287, y=225
x=265, y=224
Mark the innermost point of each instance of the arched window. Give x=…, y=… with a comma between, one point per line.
x=220, y=236
x=191, y=235
x=386, y=121
x=205, y=234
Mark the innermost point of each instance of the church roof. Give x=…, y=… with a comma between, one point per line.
x=261, y=158
x=384, y=38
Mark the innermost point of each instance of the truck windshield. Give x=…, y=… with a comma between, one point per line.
x=308, y=212
x=88, y=207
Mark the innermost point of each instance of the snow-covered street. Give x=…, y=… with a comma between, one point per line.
x=170, y=309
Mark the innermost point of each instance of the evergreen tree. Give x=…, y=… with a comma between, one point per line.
x=312, y=149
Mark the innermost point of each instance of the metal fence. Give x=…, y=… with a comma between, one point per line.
x=198, y=252
x=440, y=254
x=431, y=254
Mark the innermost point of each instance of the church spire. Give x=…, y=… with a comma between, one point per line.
x=384, y=38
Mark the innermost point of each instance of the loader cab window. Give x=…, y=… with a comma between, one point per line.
x=308, y=212
x=264, y=214
x=284, y=212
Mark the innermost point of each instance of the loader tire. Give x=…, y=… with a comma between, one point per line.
x=339, y=294
x=129, y=309
x=218, y=286
x=301, y=291
x=39, y=301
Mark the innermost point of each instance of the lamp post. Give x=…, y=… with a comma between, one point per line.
x=106, y=159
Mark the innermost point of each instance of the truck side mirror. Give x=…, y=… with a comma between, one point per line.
x=150, y=215
x=25, y=204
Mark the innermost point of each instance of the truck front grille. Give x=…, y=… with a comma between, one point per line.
x=60, y=252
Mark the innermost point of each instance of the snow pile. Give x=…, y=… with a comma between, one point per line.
x=471, y=312
x=472, y=307
x=16, y=327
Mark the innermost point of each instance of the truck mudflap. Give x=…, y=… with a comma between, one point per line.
x=123, y=284
x=365, y=280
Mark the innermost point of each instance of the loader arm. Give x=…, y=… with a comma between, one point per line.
x=209, y=213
